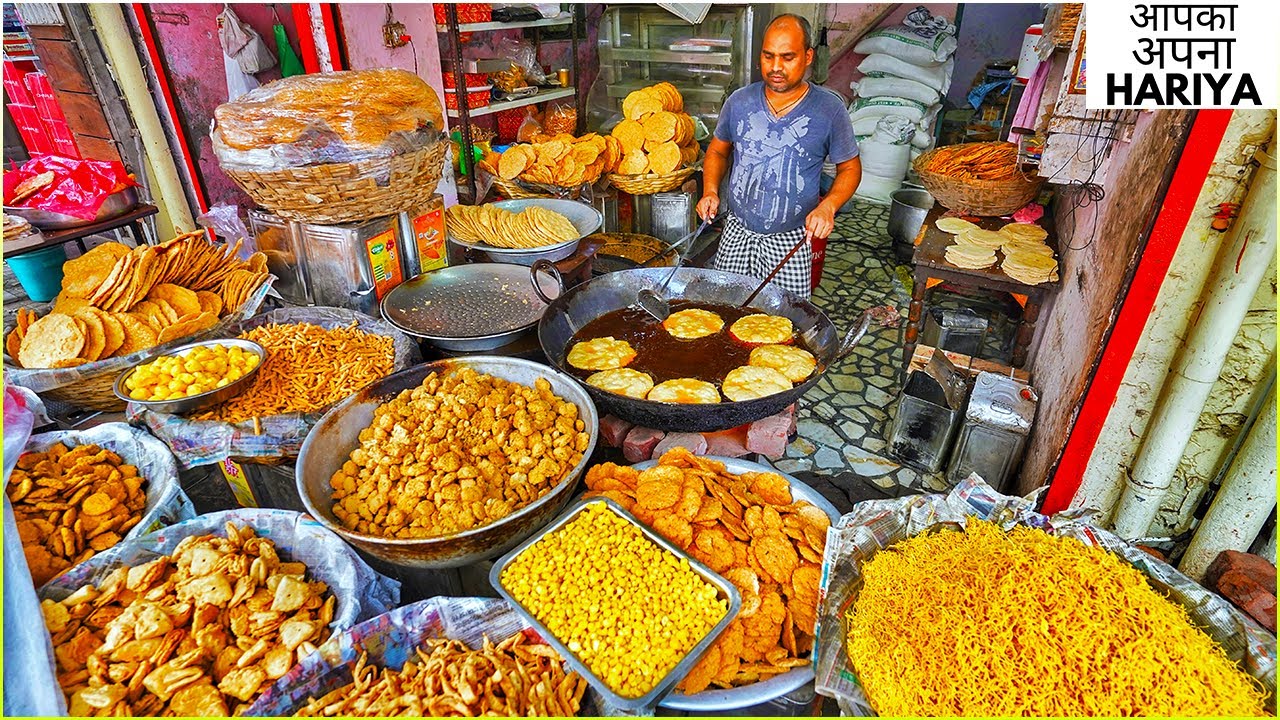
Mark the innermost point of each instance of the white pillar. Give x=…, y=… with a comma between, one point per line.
x=166, y=190
x=1244, y=501
x=1241, y=268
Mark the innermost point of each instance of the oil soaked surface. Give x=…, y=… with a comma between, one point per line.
x=664, y=357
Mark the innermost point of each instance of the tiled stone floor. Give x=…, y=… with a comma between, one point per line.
x=844, y=422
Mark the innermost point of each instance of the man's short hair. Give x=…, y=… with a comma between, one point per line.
x=802, y=22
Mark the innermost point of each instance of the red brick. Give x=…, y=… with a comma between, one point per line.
x=693, y=442
x=769, y=436
x=1248, y=582
x=639, y=443
x=614, y=430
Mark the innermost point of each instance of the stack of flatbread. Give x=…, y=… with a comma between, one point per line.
x=1027, y=258
x=15, y=227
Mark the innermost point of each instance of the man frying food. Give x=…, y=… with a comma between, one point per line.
x=776, y=135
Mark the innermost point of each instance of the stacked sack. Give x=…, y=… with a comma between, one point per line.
x=907, y=72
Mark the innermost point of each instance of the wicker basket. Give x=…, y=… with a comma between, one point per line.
x=347, y=192
x=92, y=385
x=650, y=184
x=510, y=189
x=987, y=198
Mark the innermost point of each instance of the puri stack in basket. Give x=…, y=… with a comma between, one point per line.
x=334, y=147
x=977, y=178
x=658, y=147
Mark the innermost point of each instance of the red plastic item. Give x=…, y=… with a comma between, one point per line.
x=64, y=141
x=819, y=257
x=79, y=186
x=509, y=124
x=473, y=80
x=476, y=97
x=467, y=13
x=33, y=132
x=14, y=85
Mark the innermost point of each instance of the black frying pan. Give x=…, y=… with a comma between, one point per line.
x=580, y=305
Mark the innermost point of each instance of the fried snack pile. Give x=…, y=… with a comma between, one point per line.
x=561, y=160
x=71, y=504
x=117, y=300
x=460, y=451
x=205, y=368
x=988, y=623
x=656, y=136
x=307, y=368
x=747, y=528
x=975, y=161
x=629, y=610
x=512, y=679
x=360, y=107
x=200, y=632
x=530, y=228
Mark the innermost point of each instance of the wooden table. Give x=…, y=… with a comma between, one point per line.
x=49, y=238
x=930, y=261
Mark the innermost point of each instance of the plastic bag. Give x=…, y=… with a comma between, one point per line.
x=46, y=379
x=29, y=672
x=167, y=504
x=877, y=524
x=528, y=127
x=561, y=119
x=336, y=117
x=390, y=640
x=525, y=54
x=78, y=189
x=225, y=222
x=362, y=592
x=203, y=442
x=243, y=43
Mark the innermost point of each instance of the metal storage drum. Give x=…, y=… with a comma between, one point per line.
x=996, y=425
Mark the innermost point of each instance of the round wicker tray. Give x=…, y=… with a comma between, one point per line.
x=650, y=184
x=347, y=192
x=977, y=197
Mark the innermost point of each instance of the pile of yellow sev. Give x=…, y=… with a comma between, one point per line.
x=307, y=368
x=1024, y=623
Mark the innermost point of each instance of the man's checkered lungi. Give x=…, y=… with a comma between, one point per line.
x=748, y=253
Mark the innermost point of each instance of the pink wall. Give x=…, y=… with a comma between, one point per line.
x=187, y=36
x=362, y=31
x=845, y=70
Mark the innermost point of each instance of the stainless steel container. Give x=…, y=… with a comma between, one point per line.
x=907, y=210
x=671, y=215
x=928, y=415
x=352, y=265
x=606, y=201
x=996, y=425
x=956, y=331
x=277, y=238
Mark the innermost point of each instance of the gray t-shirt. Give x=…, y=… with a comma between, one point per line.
x=777, y=164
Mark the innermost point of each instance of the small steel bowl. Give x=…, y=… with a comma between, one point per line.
x=204, y=400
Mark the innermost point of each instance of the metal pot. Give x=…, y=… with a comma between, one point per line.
x=585, y=219
x=571, y=311
x=906, y=216
x=115, y=205
x=469, y=308
x=330, y=442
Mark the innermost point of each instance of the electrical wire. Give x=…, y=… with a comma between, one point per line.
x=1082, y=194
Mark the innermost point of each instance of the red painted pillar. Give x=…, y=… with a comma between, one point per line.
x=1175, y=212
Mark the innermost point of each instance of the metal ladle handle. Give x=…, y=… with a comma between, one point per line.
x=545, y=265
x=854, y=336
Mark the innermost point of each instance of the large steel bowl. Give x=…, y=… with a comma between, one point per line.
x=738, y=698
x=192, y=403
x=585, y=219
x=331, y=441
x=115, y=205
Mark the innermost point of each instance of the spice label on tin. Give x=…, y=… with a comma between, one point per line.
x=384, y=262
x=235, y=477
x=428, y=232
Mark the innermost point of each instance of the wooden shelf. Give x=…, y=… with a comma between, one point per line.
x=542, y=96
x=484, y=26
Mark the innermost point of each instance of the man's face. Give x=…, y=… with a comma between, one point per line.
x=783, y=57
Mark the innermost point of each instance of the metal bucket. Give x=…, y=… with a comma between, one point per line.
x=906, y=216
